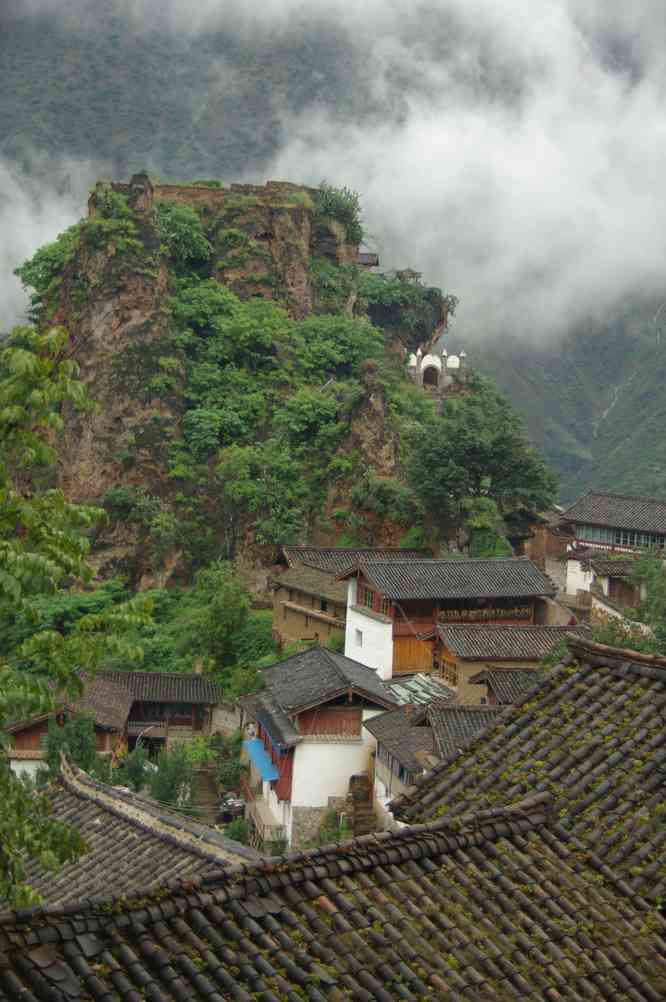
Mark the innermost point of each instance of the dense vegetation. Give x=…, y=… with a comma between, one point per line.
x=187, y=105
x=593, y=403
x=265, y=406
x=43, y=547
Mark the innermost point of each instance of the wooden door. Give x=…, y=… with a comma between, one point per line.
x=411, y=654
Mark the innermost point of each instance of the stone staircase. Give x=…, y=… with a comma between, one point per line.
x=205, y=794
x=361, y=817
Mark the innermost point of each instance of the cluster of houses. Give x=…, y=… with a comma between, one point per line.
x=516, y=843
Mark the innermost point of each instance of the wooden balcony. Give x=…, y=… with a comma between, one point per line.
x=260, y=815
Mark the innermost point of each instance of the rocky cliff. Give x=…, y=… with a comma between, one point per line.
x=242, y=395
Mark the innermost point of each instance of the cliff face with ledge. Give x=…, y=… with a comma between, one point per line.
x=115, y=296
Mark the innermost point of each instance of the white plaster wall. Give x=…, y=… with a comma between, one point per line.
x=376, y=649
x=577, y=578
x=278, y=808
x=600, y=611
x=556, y=569
x=322, y=769
x=26, y=767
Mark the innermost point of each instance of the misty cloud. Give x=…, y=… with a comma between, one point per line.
x=34, y=208
x=511, y=150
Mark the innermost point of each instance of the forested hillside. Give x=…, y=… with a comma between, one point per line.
x=244, y=396
x=186, y=106
x=127, y=93
x=594, y=404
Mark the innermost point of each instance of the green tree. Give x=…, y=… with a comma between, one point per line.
x=43, y=546
x=134, y=767
x=230, y=767
x=76, y=738
x=220, y=610
x=478, y=449
x=171, y=783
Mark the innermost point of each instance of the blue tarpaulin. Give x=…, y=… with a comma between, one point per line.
x=260, y=759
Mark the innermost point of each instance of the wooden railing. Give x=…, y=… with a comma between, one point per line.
x=265, y=832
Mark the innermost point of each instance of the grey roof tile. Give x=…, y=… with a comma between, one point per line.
x=405, y=735
x=618, y=511
x=509, y=684
x=128, y=841
x=502, y=577
x=312, y=581
x=501, y=904
x=508, y=643
x=593, y=734
x=455, y=725
x=335, y=559
x=317, y=675
x=167, y=687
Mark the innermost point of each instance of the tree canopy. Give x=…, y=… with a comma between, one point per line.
x=43, y=548
x=478, y=449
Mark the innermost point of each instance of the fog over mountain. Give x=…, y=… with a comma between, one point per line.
x=511, y=150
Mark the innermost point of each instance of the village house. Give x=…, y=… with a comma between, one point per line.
x=158, y=707
x=607, y=574
x=604, y=520
x=593, y=734
x=505, y=686
x=308, y=743
x=309, y=602
x=544, y=540
x=412, y=739
x=499, y=904
x=405, y=749
x=463, y=650
x=395, y=606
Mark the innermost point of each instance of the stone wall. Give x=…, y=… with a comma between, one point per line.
x=305, y=825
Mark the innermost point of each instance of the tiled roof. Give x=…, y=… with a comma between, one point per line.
x=618, y=511
x=478, y=577
x=418, y=689
x=618, y=567
x=129, y=841
x=504, y=643
x=336, y=559
x=106, y=700
x=166, y=687
x=501, y=905
x=305, y=680
x=402, y=734
x=313, y=581
x=593, y=734
x=317, y=675
x=454, y=726
x=268, y=712
x=509, y=684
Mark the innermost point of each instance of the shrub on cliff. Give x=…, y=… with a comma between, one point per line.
x=478, y=449
x=343, y=205
x=181, y=234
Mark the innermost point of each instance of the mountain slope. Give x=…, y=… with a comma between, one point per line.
x=594, y=405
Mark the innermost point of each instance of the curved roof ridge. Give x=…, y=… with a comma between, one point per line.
x=363, y=853
x=135, y=810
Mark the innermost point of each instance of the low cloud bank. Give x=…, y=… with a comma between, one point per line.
x=515, y=152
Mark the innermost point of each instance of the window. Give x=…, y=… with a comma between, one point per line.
x=450, y=673
x=359, y=638
x=366, y=597
x=324, y=606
